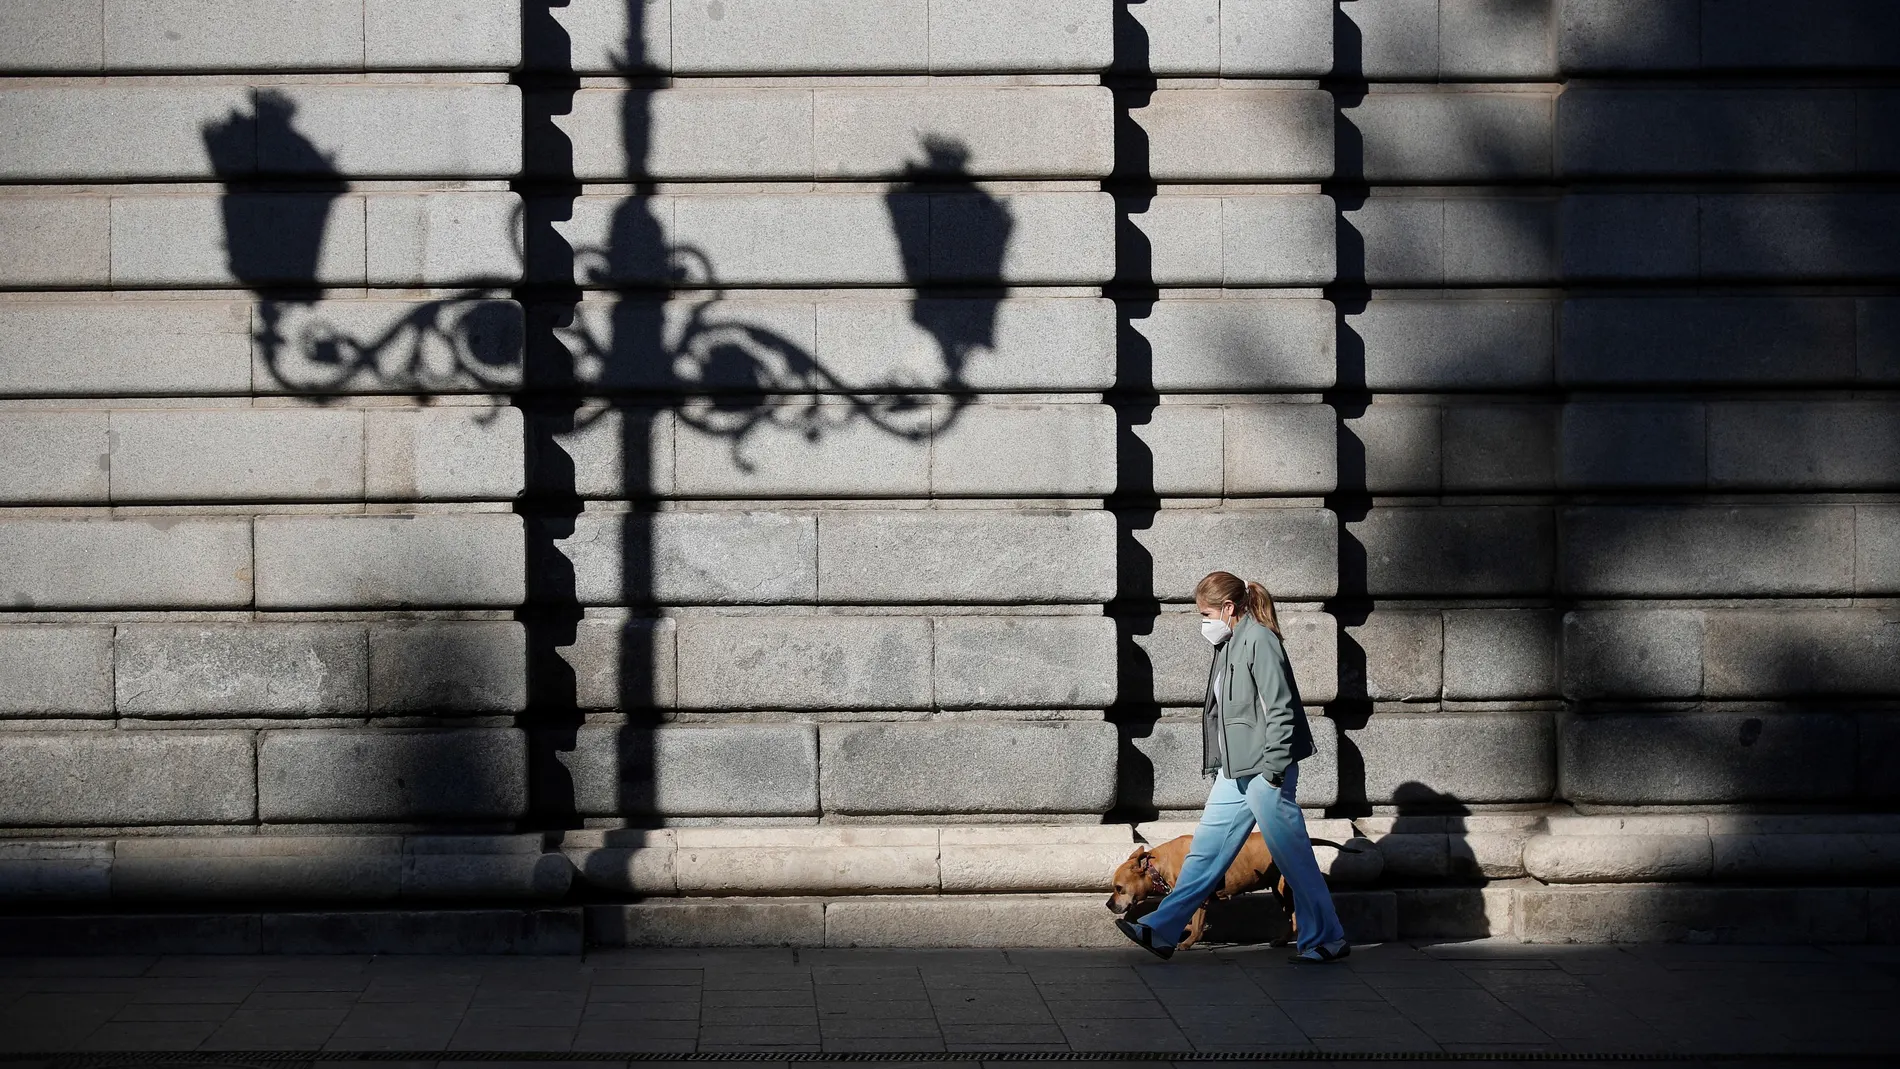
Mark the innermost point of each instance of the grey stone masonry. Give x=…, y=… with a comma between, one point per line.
x=729, y=662
x=122, y=348
x=1237, y=134
x=1754, y=550
x=866, y=341
x=822, y=36
x=992, y=449
x=784, y=662
x=1703, y=758
x=179, y=241
x=55, y=670
x=323, y=35
x=1726, y=236
x=1429, y=759
x=89, y=778
x=85, y=348
x=1252, y=38
x=765, y=450
x=1462, y=344
x=1488, y=550
x=728, y=770
x=833, y=133
x=1429, y=656
x=339, y=776
x=1236, y=450
x=125, y=455
x=1291, y=551
x=1271, y=343
x=197, y=669
x=964, y=556
x=1406, y=134
x=1026, y=662
x=1062, y=767
x=1629, y=36
x=1422, y=238
x=466, y=560
x=1680, y=341
x=157, y=562
x=838, y=239
x=613, y=660
x=459, y=666
x=756, y=558
x=448, y=346
x=313, y=669
x=1281, y=239
x=1730, y=653
x=153, y=132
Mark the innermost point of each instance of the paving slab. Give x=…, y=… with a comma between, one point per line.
x=1431, y=1000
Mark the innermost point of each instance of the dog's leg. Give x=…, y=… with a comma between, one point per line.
x=1195, y=923
x=1286, y=900
x=1283, y=895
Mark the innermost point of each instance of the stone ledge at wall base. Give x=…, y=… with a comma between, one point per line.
x=1471, y=847
x=408, y=931
x=1046, y=920
x=974, y=859
x=283, y=868
x=1682, y=914
x=1688, y=847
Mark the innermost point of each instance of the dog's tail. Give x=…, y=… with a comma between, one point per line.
x=1337, y=846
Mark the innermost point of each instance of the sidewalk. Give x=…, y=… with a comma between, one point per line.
x=1444, y=999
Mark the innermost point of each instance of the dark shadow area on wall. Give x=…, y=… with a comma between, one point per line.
x=619, y=775
x=1349, y=398
x=1136, y=610
x=1761, y=307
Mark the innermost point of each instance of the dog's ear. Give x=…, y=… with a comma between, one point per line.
x=1139, y=851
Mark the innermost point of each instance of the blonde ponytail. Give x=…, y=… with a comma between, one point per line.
x=1260, y=603
x=1251, y=598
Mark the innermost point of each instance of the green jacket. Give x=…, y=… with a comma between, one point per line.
x=1252, y=723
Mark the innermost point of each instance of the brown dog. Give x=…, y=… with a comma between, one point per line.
x=1148, y=875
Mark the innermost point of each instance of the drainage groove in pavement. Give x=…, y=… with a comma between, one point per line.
x=279, y=1059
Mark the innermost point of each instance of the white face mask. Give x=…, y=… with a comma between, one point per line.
x=1215, y=631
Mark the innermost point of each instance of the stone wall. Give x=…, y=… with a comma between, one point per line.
x=459, y=450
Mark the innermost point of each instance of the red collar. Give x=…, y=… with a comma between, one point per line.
x=1156, y=881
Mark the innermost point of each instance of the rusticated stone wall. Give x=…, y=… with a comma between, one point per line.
x=452, y=449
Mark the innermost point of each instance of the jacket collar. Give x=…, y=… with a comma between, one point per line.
x=1243, y=625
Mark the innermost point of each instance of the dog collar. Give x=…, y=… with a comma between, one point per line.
x=1155, y=878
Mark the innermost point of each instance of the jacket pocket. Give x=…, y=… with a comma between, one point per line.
x=1246, y=733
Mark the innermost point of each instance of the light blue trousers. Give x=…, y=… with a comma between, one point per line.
x=1232, y=808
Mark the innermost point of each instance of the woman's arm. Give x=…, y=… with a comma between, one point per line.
x=1276, y=697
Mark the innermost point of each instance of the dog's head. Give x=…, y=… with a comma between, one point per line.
x=1133, y=882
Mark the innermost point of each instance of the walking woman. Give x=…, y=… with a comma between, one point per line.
x=1254, y=734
